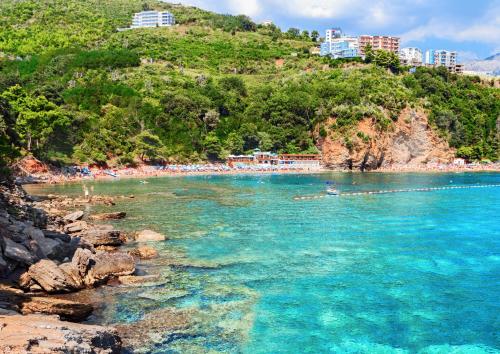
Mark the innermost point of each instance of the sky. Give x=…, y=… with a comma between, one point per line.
x=470, y=27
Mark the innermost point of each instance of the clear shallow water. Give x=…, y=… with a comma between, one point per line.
x=408, y=272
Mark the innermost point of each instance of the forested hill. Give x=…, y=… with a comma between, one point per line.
x=74, y=89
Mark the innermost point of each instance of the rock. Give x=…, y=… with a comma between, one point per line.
x=144, y=252
x=52, y=249
x=77, y=226
x=52, y=278
x=4, y=267
x=148, y=236
x=82, y=260
x=47, y=334
x=57, y=236
x=106, y=265
x=77, y=215
x=67, y=310
x=102, y=237
x=18, y=252
x=110, y=216
x=134, y=280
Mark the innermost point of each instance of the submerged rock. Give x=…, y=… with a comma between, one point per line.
x=47, y=334
x=109, y=216
x=144, y=252
x=148, y=236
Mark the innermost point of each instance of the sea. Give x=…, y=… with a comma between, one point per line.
x=260, y=270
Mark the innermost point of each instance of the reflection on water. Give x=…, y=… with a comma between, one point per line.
x=251, y=270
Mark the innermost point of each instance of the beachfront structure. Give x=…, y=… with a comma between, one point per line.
x=411, y=56
x=264, y=158
x=300, y=160
x=388, y=43
x=147, y=19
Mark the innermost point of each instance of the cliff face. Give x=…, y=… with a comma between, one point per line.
x=409, y=141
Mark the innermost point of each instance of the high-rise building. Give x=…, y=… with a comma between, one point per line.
x=333, y=33
x=342, y=47
x=153, y=19
x=388, y=43
x=445, y=58
x=337, y=45
x=429, y=57
x=411, y=56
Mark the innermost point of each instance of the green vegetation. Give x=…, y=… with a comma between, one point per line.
x=74, y=89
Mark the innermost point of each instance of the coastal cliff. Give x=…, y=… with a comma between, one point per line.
x=408, y=141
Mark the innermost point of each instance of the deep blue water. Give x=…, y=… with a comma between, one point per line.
x=406, y=272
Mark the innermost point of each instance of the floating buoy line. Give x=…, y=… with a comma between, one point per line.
x=388, y=191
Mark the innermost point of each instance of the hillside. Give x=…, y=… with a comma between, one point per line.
x=73, y=89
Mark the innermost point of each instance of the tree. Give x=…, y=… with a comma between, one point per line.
x=305, y=35
x=314, y=36
x=293, y=33
x=36, y=117
x=212, y=146
x=369, y=56
x=211, y=119
x=234, y=143
x=147, y=145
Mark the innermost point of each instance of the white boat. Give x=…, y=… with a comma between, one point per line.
x=332, y=191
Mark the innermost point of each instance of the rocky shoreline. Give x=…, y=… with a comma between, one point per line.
x=50, y=247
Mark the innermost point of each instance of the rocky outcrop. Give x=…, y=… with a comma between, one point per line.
x=47, y=334
x=86, y=269
x=408, y=141
x=149, y=236
x=65, y=309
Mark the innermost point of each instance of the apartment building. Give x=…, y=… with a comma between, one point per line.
x=411, y=56
x=146, y=19
x=387, y=43
x=333, y=33
x=445, y=58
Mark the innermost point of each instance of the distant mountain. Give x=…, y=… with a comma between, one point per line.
x=494, y=57
x=490, y=65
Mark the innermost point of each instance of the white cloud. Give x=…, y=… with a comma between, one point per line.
x=484, y=30
x=245, y=7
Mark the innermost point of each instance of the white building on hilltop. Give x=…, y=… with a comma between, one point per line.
x=445, y=58
x=153, y=19
x=411, y=56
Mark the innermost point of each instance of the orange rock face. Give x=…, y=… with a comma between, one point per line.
x=408, y=141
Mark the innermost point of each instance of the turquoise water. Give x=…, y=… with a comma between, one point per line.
x=396, y=273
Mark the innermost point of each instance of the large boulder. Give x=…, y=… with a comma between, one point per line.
x=105, y=265
x=18, y=252
x=99, y=237
x=149, y=236
x=47, y=334
x=52, y=278
x=67, y=310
